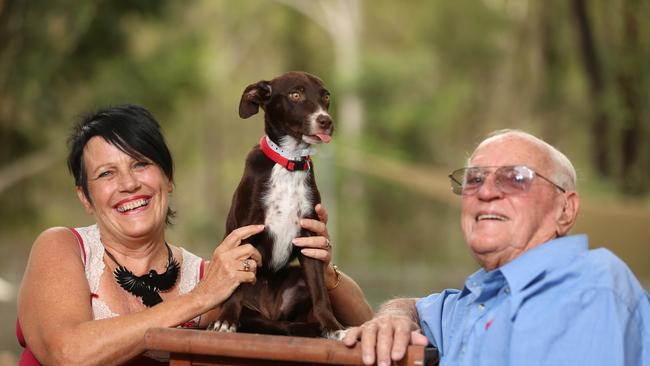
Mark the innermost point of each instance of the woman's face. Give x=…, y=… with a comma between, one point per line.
x=128, y=197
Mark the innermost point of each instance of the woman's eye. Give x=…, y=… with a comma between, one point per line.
x=104, y=174
x=295, y=96
x=142, y=164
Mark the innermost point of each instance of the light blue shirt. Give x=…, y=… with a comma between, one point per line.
x=557, y=304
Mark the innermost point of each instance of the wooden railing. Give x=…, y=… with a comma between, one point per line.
x=198, y=347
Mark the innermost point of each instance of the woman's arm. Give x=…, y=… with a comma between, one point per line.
x=55, y=312
x=348, y=301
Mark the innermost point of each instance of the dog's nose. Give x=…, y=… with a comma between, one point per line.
x=324, y=121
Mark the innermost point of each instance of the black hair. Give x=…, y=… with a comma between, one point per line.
x=130, y=128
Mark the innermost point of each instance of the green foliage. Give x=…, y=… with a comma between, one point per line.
x=59, y=62
x=427, y=72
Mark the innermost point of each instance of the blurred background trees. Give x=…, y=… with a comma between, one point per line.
x=415, y=86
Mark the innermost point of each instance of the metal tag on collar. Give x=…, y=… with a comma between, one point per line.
x=298, y=165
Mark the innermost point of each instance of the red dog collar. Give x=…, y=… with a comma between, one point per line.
x=291, y=165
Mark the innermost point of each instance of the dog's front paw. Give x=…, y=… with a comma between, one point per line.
x=336, y=335
x=223, y=326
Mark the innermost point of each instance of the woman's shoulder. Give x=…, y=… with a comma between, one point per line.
x=58, y=234
x=57, y=238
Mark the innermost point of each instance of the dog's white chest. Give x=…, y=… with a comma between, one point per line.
x=288, y=199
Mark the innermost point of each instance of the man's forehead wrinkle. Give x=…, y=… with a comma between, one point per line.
x=536, y=155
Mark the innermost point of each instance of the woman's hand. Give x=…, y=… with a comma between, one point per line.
x=318, y=246
x=232, y=264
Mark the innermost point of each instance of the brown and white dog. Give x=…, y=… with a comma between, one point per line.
x=278, y=189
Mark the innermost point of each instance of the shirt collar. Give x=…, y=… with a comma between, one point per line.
x=479, y=281
x=527, y=267
x=524, y=269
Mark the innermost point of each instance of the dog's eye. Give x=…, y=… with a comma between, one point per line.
x=326, y=98
x=295, y=96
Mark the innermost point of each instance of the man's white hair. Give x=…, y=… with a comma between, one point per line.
x=563, y=174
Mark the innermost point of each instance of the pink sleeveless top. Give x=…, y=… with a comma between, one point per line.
x=92, y=254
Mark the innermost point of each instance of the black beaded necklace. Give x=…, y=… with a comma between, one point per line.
x=149, y=285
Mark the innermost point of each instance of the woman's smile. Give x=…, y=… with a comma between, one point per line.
x=133, y=204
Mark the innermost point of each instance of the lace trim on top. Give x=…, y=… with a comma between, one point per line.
x=94, y=268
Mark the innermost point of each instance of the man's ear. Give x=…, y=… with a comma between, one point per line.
x=569, y=214
x=254, y=96
x=88, y=206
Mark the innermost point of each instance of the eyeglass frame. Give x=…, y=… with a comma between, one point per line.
x=497, y=167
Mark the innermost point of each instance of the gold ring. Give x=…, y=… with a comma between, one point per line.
x=247, y=266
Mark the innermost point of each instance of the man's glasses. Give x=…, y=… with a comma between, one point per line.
x=510, y=179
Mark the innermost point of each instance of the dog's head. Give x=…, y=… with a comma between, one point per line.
x=296, y=104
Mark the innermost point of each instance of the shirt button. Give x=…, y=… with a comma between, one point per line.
x=507, y=290
x=481, y=306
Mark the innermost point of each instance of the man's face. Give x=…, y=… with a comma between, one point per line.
x=499, y=227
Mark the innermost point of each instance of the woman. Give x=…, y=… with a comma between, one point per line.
x=89, y=294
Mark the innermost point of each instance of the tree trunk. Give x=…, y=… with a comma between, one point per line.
x=629, y=89
x=593, y=69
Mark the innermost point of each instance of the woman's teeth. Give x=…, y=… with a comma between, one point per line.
x=133, y=205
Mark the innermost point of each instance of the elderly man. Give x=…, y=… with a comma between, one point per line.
x=541, y=297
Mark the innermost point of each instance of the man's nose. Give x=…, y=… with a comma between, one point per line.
x=489, y=189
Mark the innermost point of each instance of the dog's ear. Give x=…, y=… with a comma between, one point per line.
x=254, y=96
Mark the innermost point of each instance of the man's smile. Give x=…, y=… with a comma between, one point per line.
x=491, y=216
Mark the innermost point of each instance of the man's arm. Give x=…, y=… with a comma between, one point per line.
x=387, y=335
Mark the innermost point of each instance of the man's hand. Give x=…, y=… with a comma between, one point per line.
x=385, y=337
